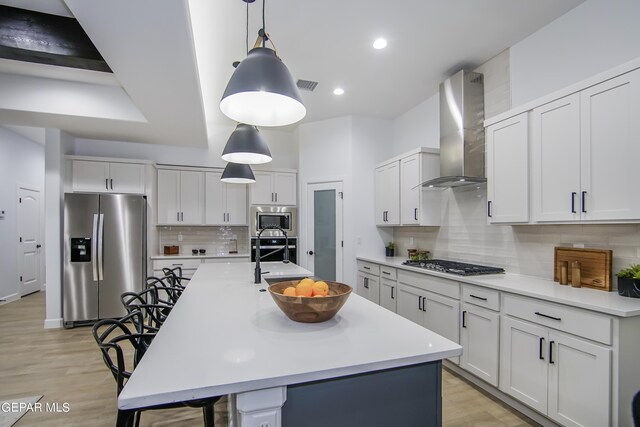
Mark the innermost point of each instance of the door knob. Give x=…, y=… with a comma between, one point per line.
x=310, y=252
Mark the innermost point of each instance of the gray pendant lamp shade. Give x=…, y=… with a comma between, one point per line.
x=262, y=92
x=236, y=173
x=246, y=145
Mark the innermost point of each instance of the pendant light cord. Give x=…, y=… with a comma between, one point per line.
x=264, y=29
x=247, y=33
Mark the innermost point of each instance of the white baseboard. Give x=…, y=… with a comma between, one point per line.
x=52, y=323
x=9, y=298
x=520, y=407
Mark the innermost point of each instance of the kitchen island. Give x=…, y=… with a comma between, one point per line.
x=366, y=366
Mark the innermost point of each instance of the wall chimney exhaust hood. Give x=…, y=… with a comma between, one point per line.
x=461, y=131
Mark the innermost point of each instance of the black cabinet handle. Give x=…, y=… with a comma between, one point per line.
x=366, y=268
x=420, y=303
x=311, y=253
x=489, y=209
x=584, y=209
x=392, y=296
x=540, y=349
x=111, y=182
x=573, y=202
x=480, y=298
x=424, y=304
x=276, y=197
x=38, y=246
x=464, y=319
x=386, y=272
x=547, y=316
x=366, y=282
x=415, y=214
x=106, y=183
x=551, y=343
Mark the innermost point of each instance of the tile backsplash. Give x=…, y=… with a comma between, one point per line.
x=525, y=249
x=215, y=240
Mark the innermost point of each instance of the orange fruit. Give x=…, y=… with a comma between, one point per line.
x=303, y=289
x=290, y=291
x=320, y=288
x=306, y=280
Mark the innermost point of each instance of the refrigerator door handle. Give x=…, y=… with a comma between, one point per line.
x=101, y=248
x=94, y=247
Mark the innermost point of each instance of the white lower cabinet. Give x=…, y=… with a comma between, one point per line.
x=369, y=287
x=480, y=337
x=564, y=377
x=388, y=294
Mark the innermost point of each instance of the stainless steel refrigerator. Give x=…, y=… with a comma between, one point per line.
x=104, y=254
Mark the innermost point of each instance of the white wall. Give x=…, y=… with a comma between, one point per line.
x=593, y=37
x=21, y=163
x=418, y=127
x=284, y=150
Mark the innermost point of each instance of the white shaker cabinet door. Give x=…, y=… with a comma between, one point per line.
x=127, y=178
x=215, y=213
x=90, y=176
x=555, y=183
x=369, y=287
x=191, y=198
x=388, y=294
x=508, y=171
x=284, y=188
x=410, y=195
x=579, y=382
x=262, y=190
x=236, y=204
x=611, y=149
x=409, y=304
x=441, y=315
x=479, y=337
x=523, y=364
x=168, y=196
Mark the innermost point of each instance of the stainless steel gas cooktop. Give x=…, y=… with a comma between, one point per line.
x=453, y=267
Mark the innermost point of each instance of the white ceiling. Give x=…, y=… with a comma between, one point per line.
x=173, y=58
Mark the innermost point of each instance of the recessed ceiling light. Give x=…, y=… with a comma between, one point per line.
x=380, y=43
x=338, y=91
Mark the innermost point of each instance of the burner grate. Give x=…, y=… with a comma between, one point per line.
x=454, y=267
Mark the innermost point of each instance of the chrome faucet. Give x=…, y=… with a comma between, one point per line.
x=285, y=258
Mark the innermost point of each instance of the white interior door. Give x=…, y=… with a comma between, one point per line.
x=29, y=241
x=323, y=247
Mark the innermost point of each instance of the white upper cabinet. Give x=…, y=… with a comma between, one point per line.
x=180, y=197
x=507, y=171
x=225, y=204
x=274, y=188
x=585, y=149
x=419, y=206
x=555, y=130
x=387, y=203
x=610, y=149
x=108, y=177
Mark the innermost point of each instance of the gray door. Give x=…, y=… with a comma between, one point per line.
x=121, y=250
x=80, y=279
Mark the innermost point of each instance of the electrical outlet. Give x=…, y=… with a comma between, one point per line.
x=578, y=245
x=179, y=237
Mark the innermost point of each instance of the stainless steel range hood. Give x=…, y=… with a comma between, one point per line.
x=461, y=131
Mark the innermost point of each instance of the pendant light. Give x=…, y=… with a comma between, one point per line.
x=246, y=145
x=237, y=173
x=261, y=91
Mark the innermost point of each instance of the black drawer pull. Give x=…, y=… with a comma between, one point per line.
x=551, y=343
x=387, y=273
x=420, y=303
x=547, y=316
x=540, y=349
x=489, y=214
x=584, y=208
x=366, y=282
x=464, y=319
x=424, y=304
x=480, y=298
x=573, y=202
x=392, y=296
x=366, y=268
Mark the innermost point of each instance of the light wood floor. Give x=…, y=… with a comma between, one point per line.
x=64, y=365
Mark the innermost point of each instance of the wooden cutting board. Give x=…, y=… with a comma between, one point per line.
x=595, y=266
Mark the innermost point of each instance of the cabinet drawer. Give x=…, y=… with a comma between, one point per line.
x=426, y=282
x=482, y=297
x=387, y=272
x=564, y=318
x=159, y=264
x=369, y=268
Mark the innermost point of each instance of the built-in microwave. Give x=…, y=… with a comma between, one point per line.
x=285, y=217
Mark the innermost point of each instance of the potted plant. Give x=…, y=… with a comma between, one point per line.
x=629, y=281
x=389, y=250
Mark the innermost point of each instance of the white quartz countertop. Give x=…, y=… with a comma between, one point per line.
x=205, y=256
x=225, y=336
x=591, y=299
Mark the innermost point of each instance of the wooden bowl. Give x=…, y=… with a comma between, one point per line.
x=310, y=309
